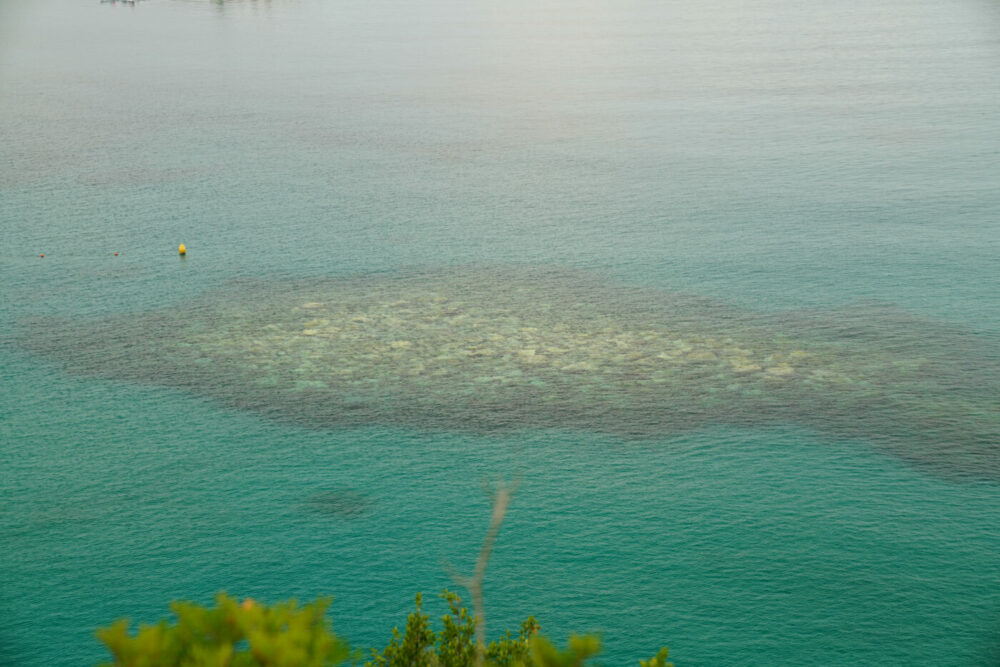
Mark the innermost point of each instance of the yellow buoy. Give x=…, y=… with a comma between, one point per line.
x=182, y=250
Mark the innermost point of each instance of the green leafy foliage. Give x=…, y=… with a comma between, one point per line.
x=250, y=634
x=230, y=634
x=454, y=645
x=658, y=660
x=578, y=650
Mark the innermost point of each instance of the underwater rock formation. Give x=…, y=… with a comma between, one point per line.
x=340, y=503
x=491, y=350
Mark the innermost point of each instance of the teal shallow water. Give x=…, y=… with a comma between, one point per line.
x=766, y=156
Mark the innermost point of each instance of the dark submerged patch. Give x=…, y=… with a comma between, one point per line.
x=492, y=350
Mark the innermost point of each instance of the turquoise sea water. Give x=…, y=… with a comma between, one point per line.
x=768, y=156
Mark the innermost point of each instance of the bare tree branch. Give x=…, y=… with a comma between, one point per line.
x=501, y=493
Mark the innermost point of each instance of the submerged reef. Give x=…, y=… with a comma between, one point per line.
x=492, y=350
x=340, y=503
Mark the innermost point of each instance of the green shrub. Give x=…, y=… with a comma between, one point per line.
x=250, y=634
x=230, y=634
x=454, y=645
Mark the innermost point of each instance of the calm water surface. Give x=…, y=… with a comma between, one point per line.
x=769, y=156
